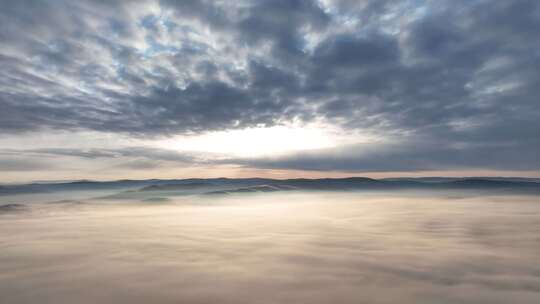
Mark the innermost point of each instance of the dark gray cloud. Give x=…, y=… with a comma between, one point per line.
x=136, y=152
x=403, y=156
x=460, y=78
x=130, y=158
x=17, y=164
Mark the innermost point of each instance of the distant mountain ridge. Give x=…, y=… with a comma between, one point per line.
x=174, y=187
x=232, y=185
x=437, y=179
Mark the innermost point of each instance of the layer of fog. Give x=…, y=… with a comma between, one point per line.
x=290, y=247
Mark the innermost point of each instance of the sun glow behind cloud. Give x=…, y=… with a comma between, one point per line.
x=261, y=141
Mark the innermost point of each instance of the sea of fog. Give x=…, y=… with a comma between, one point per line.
x=286, y=247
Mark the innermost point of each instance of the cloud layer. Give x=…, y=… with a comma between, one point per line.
x=452, y=82
x=275, y=248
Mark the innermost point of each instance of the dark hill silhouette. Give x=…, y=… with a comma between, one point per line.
x=173, y=187
x=476, y=183
x=231, y=185
x=251, y=189
x=9, y=208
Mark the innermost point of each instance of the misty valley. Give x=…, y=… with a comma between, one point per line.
x=353, y=240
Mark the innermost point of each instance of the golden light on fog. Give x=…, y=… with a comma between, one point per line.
x=289, y=247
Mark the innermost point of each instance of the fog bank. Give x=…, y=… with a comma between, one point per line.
x=290, y=247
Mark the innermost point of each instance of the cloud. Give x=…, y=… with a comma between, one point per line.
x=286, y=248
x=458, y=72
x=138, y=152
x=403, y=156
x=17, y=164
x=395, y=155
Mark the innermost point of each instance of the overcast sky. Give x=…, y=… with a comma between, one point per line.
x=139, y=89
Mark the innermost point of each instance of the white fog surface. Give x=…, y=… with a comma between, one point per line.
x=291, y=247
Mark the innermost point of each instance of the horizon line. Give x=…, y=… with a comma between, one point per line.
x=256, y=177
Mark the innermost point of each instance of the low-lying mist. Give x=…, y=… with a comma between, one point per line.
x=284, y=247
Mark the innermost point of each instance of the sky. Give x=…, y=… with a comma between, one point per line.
x=281, y=88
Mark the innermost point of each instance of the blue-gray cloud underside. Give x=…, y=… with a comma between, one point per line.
x=459, y=80
x=395, y=157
